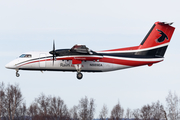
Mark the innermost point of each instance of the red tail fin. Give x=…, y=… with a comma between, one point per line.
x=154, y=44
x=159, y=35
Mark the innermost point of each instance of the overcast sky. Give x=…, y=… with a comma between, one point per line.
x=31, y=25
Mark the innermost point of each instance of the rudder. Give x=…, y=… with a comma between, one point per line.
x=156, y=41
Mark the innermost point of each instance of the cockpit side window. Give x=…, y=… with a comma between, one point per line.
x=25, y=56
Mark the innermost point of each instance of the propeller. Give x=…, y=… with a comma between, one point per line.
x=53, y=52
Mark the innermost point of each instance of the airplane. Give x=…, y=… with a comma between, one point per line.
x=81, y=59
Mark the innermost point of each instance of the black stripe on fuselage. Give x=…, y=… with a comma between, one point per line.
x=154, y=53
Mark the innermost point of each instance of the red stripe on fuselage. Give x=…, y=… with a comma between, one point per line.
x=34, y=62
x=105, y=60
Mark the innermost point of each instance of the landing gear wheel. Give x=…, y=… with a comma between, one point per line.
x=17, y=74
x=79, y=75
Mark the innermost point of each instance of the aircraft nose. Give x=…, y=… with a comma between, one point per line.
x=10, y=65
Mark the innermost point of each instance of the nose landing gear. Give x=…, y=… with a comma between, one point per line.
x=17, y=74
x=78, y=68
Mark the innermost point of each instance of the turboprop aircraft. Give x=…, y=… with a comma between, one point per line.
x=81, y=59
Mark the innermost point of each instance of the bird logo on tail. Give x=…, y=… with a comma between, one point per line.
x=162, y=37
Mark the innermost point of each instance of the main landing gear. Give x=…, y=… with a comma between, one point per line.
x=79, y=75
x=17, y=74
x=78, y=68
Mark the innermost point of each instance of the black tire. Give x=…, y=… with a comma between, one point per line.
x=17, y=74
x=79, y=75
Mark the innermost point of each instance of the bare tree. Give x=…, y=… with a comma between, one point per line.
x=136, y=114
x=32, y=111
x=86, y=109
x=43, y=103
x=83, y=108
x=146, y=113
x=66, y=115
x=49, y=108
x=91, y=109
x=57, y=108
x=2, y=100
x=172, y=106
x=158, y=111
x=128, y=113
x=74, y=113
x=103, y=113
x=21, y=112
x=150, y=112
x=13, y=100
x=117, y=112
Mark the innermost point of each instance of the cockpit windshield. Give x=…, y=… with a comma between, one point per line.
x=25, y=56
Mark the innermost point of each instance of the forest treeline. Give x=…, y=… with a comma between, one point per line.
x=13, y=107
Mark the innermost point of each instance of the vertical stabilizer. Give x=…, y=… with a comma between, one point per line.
x=157, y=39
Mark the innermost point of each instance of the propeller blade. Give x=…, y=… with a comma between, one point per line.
x=53, y=46
x=53, y=52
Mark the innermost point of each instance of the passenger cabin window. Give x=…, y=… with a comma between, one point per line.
x=25, y=56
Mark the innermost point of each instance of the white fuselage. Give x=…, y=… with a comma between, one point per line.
x=43, y=61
